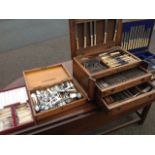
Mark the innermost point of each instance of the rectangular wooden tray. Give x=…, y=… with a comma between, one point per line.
x=44, y=77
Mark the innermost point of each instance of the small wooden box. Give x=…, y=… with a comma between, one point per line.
x=42, y=78
x=15, y=110
x=91, y=38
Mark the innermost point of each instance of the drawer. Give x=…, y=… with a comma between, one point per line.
x=140, y=94
x=120, y=81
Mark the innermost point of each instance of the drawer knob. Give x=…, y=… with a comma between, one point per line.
x=142, y=80
x=150, y=96
x=112, y=90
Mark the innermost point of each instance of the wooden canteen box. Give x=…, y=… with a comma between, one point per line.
x=94, y=46
x=49, y=78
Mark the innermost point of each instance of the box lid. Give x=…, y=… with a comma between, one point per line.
x=13, y=96
x=45, y=76
x=136, y=35
x=91, y=35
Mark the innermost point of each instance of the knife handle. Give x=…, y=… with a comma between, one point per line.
x=91, y=40
x=85, y=41
x=77, y=43
x=115, y=34
x=95, y=40
x=105, y=37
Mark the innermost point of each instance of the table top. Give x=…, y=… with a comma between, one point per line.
x=77, y=120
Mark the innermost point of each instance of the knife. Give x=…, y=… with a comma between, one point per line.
x=116, y=28
x=91, y=33
x=85, y=35
x=94, y=33
x=105, y=31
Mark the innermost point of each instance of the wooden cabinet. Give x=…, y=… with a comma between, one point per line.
x=115, y=70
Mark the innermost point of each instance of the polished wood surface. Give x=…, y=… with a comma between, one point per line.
x=82, y=119
x=76, y=27
x=45, y=76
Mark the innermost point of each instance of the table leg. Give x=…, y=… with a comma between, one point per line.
x=140, y=120
x=144, y=113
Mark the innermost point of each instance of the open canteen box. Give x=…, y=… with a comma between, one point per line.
x=15, y=110
x=45, y=78
x=136, y=38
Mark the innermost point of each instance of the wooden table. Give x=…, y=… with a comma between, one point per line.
x=83, y=118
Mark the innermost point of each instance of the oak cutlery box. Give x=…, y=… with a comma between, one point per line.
x=98, y=41
x=136, y=38
x=49, y=78
x=15, y=110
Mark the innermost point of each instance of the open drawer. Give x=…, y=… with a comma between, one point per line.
x=143, y=93
x=123, y=80
x=52, y=90
x=15, y=110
